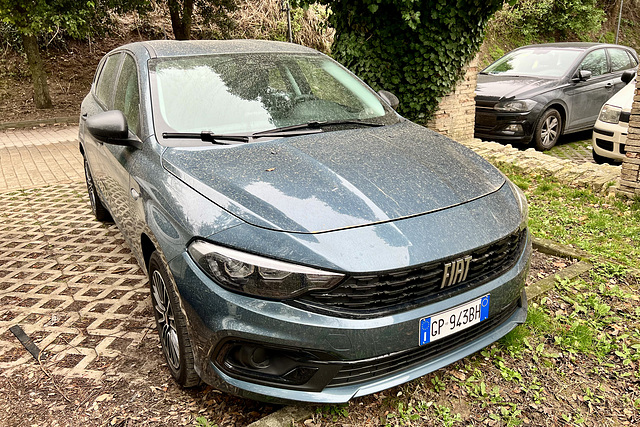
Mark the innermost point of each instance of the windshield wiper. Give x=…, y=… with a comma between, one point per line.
x=313, y=125
x=294, y=130
x=209, y=137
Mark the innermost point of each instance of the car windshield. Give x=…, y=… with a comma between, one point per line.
x=246, y=93
x=537, y=62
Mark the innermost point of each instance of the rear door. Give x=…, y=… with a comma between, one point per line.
x=620, y=61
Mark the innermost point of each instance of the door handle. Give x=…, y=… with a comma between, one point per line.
x=84, y=116
x=135, y=194
x=609, y=85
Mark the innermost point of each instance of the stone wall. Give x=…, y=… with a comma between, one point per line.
x=456, y=115
x=630, y=177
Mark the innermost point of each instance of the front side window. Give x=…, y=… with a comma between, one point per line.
x=107, y=79
x=241, y=93
x=127, y=97
x=596, y=62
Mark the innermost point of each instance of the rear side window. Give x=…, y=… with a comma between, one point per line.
x=619, y=60
x=106, y=81
x=127, y=97
x=596, y=62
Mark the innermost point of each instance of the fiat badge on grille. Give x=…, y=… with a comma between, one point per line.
x=455, y=271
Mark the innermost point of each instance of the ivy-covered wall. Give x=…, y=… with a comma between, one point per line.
x=415, y=49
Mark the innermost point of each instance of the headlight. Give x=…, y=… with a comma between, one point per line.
x=515, y=106
x=255, y=275
x=522, y=203
x=610, y=114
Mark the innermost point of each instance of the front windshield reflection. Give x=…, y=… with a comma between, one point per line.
x=242, y=93
x=536, y=62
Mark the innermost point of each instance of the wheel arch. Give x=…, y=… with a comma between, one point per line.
x=148, y=247
x=560, y=108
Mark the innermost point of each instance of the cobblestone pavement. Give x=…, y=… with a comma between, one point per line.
x=575, y=147
x=36, y=157
x=69, y=281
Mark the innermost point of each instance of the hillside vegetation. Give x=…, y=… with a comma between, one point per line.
x=545, y=21
x=70, y=62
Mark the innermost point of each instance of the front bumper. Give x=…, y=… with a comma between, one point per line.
x=492, y=125
x=388, y=345
x=609, y=140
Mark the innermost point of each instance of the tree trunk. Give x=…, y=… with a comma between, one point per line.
x=181, y=18
x=38, y=75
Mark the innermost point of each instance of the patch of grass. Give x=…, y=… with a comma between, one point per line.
x=605, y=227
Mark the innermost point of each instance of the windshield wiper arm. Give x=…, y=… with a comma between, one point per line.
x=313, y=125
x=209, y=137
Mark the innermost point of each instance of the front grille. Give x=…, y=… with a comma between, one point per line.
x=371, y=369
x=485, y=120
x=605, y=145
x=388, y=292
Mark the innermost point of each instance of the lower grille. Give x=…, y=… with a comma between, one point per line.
x=399, y=290
x=605, y=145
x=372, y=369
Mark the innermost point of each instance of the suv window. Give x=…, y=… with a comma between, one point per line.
x=596, y=62
x=107, y=79
x=127, y=97
x=619, y=60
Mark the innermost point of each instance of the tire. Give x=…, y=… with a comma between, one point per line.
x=171, y=324
x=548, y=130
x=99, y=211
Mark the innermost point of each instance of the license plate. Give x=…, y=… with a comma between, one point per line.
x=456, y=319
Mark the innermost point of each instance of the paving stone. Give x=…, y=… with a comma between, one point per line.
x=69, y=281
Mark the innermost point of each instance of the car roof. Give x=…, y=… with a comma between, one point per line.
x=572, y=45
x=174, y=48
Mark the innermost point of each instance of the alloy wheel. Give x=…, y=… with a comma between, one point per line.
x=549, y=132
x=166, y=320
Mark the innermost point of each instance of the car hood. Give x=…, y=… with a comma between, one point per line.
x=336, y=180
x=497, y=87
x=624, y=97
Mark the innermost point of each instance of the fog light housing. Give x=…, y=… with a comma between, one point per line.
x=514, y=129
x=274, y=366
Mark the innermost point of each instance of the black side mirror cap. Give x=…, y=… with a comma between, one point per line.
x=391, y=99
x=110, y=127
x=628, y=75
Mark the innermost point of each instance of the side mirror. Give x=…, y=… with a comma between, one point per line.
x=628, y=75
x=111, y=127
x=582, y=75
x=391, y=99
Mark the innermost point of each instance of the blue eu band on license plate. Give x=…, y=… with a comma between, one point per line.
x=456, y=319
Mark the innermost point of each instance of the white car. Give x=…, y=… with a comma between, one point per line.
x=611, y=128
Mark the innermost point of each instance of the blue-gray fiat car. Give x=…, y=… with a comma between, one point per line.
x=303, y=241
